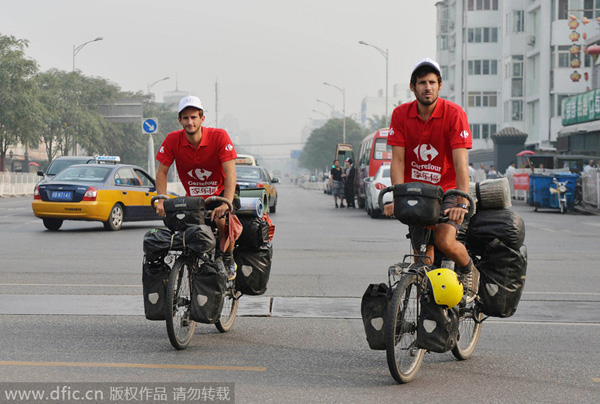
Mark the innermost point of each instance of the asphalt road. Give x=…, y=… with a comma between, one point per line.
x=71, y=311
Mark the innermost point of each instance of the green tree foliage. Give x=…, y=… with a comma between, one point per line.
x=377, y=122
x=319, y=150
x=17, y=96
x=69, y=112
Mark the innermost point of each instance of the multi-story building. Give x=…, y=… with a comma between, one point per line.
x=510, y=63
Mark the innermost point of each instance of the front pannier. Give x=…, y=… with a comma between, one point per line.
x=208, y=291
x=154, y=282
x=437, y=328
x=417, y=203
x=374, y=311
x=183, y=211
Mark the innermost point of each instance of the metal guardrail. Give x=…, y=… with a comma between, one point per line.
x=17, y=184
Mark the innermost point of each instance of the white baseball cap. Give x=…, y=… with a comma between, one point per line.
x=428, y=62
x=190, y=101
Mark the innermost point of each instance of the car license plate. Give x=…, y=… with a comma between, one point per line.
x=62, y=195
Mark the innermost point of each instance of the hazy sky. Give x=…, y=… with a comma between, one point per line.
x=270, y=57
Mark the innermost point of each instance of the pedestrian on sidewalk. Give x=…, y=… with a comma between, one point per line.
x=337, y=184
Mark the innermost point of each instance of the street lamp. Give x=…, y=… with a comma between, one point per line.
x=330, y=106
x=319, y=112
x=78, y=48
x=343, y=91
x=157, y=81
x=385, y=55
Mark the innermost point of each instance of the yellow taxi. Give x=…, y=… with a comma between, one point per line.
x=251, y=177
x=245, y=160
x=109, y=193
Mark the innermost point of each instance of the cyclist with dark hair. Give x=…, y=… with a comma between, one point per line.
x=430, y=138
x=205, y=159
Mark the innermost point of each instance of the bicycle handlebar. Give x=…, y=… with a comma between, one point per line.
x=207, y=201
x=472, y=208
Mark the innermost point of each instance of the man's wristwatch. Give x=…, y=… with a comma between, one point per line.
x=463, y=205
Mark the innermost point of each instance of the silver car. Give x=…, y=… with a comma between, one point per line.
x=372, y=187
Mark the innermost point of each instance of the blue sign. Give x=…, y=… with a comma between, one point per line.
x=295, y=154
x=150, y=125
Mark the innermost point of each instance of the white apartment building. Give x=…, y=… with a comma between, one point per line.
x=509, y=63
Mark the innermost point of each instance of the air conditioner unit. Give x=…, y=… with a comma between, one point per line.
x=451, y=24
x=531, y=40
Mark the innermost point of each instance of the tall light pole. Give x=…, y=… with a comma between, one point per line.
x=319, y=112
x=385, y=55
x=330, y=106
x=78, y=48
x=157, y=81
x=343, y=91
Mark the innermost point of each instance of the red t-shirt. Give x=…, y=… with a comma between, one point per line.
x=428, y=145
x=200, y=170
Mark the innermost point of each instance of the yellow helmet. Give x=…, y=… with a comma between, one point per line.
x=447, y=290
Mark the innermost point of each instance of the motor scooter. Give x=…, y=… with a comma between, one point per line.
x=559, y=195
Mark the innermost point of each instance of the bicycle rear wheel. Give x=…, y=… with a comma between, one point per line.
x=180, y=327
x=469, y=323
x=403, y=356
x=229, y=311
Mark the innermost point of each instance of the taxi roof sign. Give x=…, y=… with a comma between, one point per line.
x=108, y=159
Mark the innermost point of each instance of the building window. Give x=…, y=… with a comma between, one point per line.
x=482, y=99
x=592, y=8
x=444, y=72
x=563, y=9
x=482, y=35
x=477, y=5
x=563, y=57
x=516, y=89
x=518, y=21
x=588, y=60
x=484, y=67
x=516, y=110
x=475, y=131
x=487, y=129
x=559, y=100
x=443, y=44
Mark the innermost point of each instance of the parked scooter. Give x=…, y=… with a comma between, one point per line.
x=559, y=194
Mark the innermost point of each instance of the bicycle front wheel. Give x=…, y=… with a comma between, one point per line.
x=230, y=307
x=180, y=327
x=403, y=355
x=469, y=324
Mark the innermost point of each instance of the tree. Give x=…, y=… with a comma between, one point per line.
x=377, y=122
x=319, y=150
x=69, y=112
x=16, y=94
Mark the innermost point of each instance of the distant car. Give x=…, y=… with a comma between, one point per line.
x=258, y=177
x=109, y=193
x=60, y=163
x=375, y=184
x=245, y=159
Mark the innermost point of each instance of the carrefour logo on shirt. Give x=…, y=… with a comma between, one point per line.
x=425, y=152
x=464, y=134
x=229, y=147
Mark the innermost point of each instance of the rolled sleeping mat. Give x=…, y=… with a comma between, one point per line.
x=251, y=206
x=491, y=194
x=255, y=193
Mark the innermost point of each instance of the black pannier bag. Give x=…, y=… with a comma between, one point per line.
x=437, y=328
x=255, y=233
x=154, y=282
x=416, y=203
x=208, y=291
x=199, y=238
x=183, y=211
x=374, y=311
x=501, y=278
x=487, y=225
x=254, y=269
x=156, y=243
